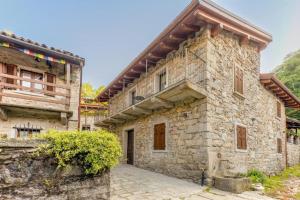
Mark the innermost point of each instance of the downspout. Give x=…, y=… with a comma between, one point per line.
x=79, y=97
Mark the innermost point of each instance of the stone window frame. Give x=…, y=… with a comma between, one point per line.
x=160, y=121
x=129, y=97
x=235, y=137
x=242, y=96
x=124, y=141
x=156, y=78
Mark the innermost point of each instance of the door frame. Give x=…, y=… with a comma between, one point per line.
x=125, y=143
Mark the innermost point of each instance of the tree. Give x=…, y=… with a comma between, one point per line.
x=88, y=91
x=289, y=73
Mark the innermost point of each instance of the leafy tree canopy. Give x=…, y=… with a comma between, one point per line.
x=88, y=91
x=289, y=73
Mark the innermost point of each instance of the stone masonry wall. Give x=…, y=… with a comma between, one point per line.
x=186, y=150
x=256, y=110
x=178, y=66
x=45, y=123
x=293, y=154
x=24, y=177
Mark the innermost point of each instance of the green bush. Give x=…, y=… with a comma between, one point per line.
x=95, y=151
x=256, y=176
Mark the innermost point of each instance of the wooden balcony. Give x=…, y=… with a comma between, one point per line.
x=164, y=99
x=48, y=97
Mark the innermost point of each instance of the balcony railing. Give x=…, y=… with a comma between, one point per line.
x=185, y=68
x=58, y=94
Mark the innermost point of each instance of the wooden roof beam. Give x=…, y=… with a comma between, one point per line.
x=215, y=30
x=164, y=45
x=152, y=55
x=176, y=37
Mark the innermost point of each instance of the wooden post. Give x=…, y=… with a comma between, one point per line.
x=186, y=62
x=1, y=71
x=68, y=83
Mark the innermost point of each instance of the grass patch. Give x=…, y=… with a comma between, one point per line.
x=275, y=184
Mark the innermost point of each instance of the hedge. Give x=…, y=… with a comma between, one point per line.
x=95, y=151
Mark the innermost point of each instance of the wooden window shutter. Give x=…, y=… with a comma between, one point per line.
x=279, y=145
x=241, y=135
x=159, y=136
x=11, y=70
x=238, y=80
x=278, y=109
x=50, y=78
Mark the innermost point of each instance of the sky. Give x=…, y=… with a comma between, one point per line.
x=110, y=34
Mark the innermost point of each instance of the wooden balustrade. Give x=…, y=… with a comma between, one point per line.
x=50, y=96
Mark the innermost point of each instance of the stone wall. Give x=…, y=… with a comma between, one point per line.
x=255, y=109
x=24, y=176
x=179, y=65
x=186, y=150
x=90, y=120
x=293, y=154
x=212, y=121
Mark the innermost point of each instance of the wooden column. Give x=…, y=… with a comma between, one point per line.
x=68, y=83
x=1, y=87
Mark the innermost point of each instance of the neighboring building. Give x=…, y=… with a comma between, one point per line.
x=293, y=144
x=195, y=99
x=90, y=112
x=39, y=87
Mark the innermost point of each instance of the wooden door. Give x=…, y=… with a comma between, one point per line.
x=130, y=146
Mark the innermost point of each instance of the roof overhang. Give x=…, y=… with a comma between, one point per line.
x=292, y=123
x=42, y=48
x=198, y=14
x=270, y=82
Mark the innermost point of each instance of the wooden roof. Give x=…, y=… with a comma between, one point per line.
x=40, y=48
x=198, y=14
x=270, y=82
x=292, y=123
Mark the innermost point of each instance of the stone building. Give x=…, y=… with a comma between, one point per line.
x=293, y=141
x=91, y=112
x=39, y=87
x=195, y=99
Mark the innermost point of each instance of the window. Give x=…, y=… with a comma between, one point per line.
x=50, y=78
x=10, y=70
x=162, y=80
x=238, y=81
x=241, y=137
x=86, y=128
x=27, y=132
x=31, y=76
x=132, y=96
x=278, y=109
x=279, y=145
x=160, y=136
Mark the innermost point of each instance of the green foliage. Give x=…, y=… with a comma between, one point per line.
x=88, y=91
x=274, y=184
x=289, y=73
x=95, y=151
x=256, y=176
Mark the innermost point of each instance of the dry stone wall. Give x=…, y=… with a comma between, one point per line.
x=24, y=176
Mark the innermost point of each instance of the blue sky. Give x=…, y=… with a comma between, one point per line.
x=110, y=34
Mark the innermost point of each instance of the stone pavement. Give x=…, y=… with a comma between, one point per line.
x=128, y=182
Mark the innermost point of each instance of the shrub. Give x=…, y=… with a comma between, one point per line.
x=95, y=151
x=256, y=176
